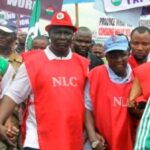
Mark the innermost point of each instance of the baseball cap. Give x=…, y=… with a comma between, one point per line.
x=7, y=26
x=61, y=18
x=116, y=42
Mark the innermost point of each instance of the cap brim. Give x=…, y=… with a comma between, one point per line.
x=116, y=49
x=48, y=27
x=5, y=29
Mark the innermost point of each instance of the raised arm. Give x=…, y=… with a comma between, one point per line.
x=135, y=92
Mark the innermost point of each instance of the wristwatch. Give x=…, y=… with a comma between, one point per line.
x=94, y=144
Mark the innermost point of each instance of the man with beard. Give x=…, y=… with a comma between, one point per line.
x=82, y=41
x=53, y=81
x=107, y=118
x=141, y=86
x=140, y=46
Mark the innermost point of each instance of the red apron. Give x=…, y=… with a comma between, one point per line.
x=111, y=115
x=142, y=73
x=58, y=87
x=133, y=63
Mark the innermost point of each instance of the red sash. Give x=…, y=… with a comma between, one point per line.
x=58, y=87
x=109, y=102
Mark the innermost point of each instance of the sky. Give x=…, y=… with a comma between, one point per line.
x=88, y=15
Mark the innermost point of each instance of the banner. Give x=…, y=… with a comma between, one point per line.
x=21, y=21
x=24, y=6
x=77, y=1
x=125, y=15
x=110, y=26
x=119, y=5
x=144, y=22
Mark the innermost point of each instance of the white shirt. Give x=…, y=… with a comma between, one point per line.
x=148, y=58
x=6, y=80
x=19, y=92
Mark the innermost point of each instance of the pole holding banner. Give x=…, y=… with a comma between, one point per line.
x=17, y=21
x=77, y=15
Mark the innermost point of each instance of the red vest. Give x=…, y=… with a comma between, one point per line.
x=58, y=87
x=132, y=61
x=109, y=102
x=142, y=73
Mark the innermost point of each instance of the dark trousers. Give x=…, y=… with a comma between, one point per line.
x=28, y=148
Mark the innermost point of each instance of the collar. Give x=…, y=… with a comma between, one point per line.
x=52, y=56
x=116, y=79
x=148, y=57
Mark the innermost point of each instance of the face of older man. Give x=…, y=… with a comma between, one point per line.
x=61, y=38
x=117, y=61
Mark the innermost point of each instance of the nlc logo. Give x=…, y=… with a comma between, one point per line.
x=64, y=81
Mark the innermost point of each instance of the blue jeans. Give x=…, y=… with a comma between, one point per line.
x=28, y=148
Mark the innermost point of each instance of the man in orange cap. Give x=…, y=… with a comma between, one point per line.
x=54, y=81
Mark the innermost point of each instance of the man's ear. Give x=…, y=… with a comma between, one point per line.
x=106, y=55
x=49, y=34
x=73, y=37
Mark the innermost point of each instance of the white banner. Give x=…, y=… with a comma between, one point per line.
x=125, y=15
x=110, y=26
x=119, y=5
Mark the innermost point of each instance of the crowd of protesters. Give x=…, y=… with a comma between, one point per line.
x=71, y=93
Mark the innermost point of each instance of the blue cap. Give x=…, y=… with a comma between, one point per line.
x=7, y=26
x=116, y=42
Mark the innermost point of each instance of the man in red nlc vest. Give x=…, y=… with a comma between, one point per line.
x=107, y=118
x=54, y=79
x=141, y=86
x=140, y=54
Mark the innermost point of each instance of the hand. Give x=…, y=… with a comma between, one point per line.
x=12, y=133
x=131, y=103
x=99, y=147
x=102, y=142
x=4, y=137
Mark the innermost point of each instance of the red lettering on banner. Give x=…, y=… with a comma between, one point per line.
x=105, y=31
